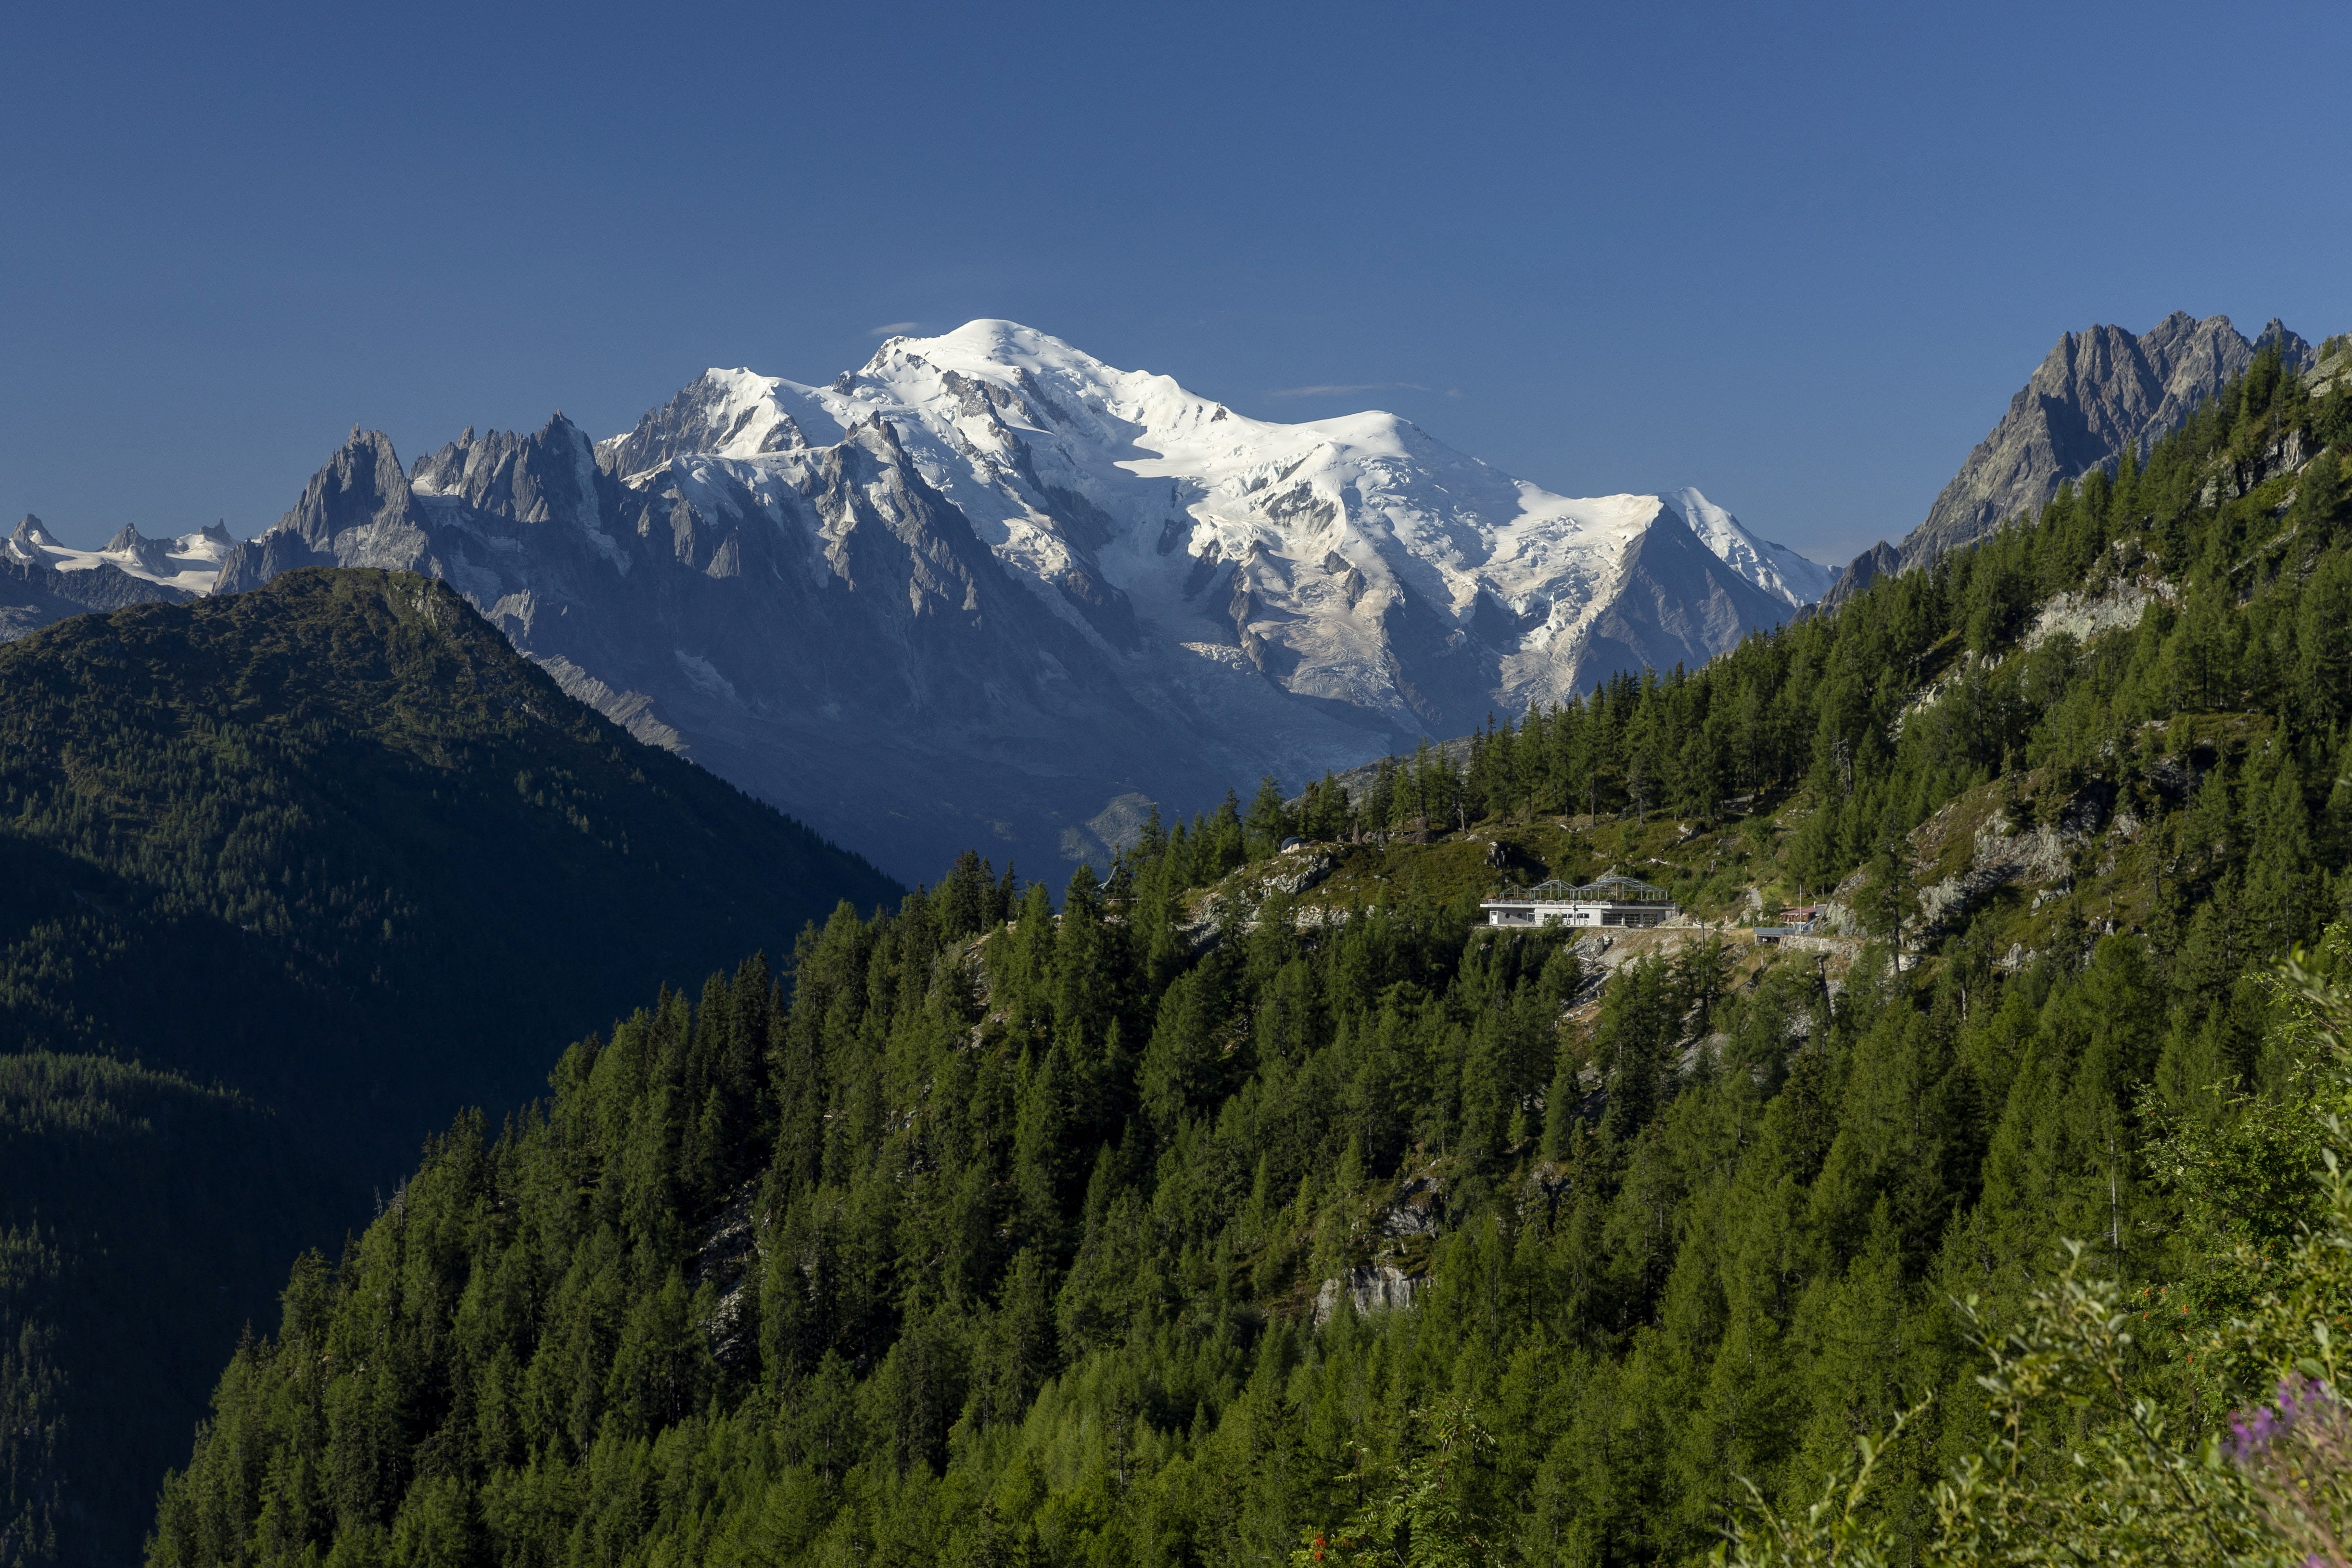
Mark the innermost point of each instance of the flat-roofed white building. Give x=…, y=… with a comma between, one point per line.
x=1612, y=901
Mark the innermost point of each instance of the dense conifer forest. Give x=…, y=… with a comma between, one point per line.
x=283, y=876
x=981, y=1231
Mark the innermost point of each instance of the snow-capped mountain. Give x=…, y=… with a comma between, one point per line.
x=43, y=581
x=1324, y=542
x=187, y=564
x=987, y=589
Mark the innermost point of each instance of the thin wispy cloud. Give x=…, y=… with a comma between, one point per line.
x=892, y=329
x=1338, y=390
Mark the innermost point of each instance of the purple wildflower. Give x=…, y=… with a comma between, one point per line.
x=2304, y=1399
x=2297, y=1452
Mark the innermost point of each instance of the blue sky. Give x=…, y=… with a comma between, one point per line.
x=1798, y=256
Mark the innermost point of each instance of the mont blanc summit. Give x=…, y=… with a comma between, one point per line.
x=987, y=588
x=1328, y=544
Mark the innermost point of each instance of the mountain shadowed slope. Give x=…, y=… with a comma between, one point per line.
x=286, y=877
x=987, y=589
x=1676, y=598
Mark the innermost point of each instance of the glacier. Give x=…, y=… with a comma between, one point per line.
x=987, y=589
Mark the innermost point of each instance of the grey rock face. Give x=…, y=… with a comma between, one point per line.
x=549, y=478
x=2098, y=394
x=1881, y=560
x=2328, y=375
x=30, y=534
x=356, y=511
x=1378, y=1287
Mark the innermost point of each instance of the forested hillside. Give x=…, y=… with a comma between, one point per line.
x=987, y=1234
x=286, y=878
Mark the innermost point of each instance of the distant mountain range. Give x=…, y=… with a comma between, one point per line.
x=988, y=590
x=43, y=581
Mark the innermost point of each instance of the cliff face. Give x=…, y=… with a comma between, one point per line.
x=2098, y=394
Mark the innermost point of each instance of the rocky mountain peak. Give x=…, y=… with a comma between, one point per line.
x=358, y=510
x=732, y=412
x=2298, y=353
x=152, y=556
x=1881, y=560
x=2096, y=394
x=360, y=487
x=546, y=476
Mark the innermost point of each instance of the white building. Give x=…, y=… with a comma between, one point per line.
x=1613, y=901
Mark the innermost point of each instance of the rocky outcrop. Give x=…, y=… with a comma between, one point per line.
x=1983, y=846
x=1297, y=870
x=2286, y=455
x=1404, y=1233
x=1376, y=1288
x=727, y=1261
x=2328, y=375
x=2085, y=615
x=2005, y=853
